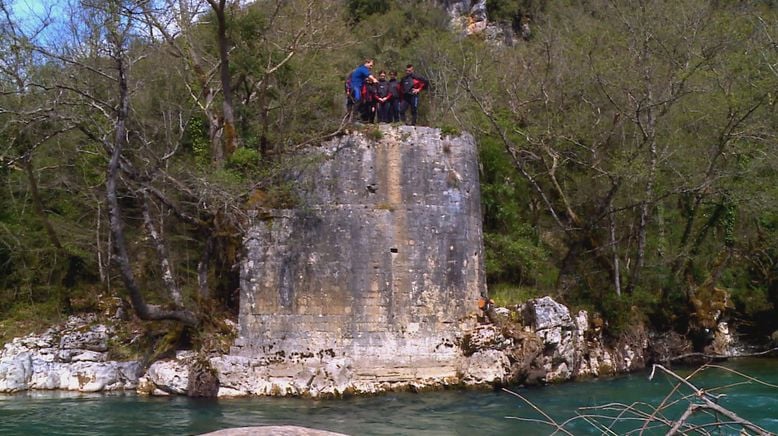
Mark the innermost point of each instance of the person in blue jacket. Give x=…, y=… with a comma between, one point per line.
x=359, y=76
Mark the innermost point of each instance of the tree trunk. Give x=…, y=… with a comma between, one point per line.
x=614, y=252
x=38, y=203
x=143, y=310
x=229, y=137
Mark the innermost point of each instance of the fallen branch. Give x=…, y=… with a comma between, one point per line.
x=701, y=403
x=710, y=404
x=719, y=356
x=550, y=421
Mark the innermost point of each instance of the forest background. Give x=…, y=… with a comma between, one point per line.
x=628, y=148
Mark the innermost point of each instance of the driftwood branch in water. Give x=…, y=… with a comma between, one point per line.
x=718, y=356
x=604, y=418
x=707, y=403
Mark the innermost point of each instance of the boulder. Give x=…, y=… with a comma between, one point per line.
x=485, y=367
x=15, y=372
x=203, y=379
x=166, y=377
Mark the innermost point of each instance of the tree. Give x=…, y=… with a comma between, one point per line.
x=608, y=124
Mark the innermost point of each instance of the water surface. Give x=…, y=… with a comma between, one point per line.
x=432, y=413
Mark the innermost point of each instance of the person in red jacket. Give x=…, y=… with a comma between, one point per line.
x=411, y=84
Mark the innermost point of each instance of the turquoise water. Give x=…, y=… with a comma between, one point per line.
x=433, y=413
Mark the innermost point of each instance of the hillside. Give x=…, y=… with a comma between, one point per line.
x=627, y=150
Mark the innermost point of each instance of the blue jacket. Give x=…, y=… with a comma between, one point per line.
x=358, y=76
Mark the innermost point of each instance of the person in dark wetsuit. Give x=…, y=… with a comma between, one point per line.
x=384, y=99
x=394, y=86
x=411, y=84
x=359, y=77
x=369, y=102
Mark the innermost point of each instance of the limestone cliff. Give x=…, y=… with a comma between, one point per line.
x=470, y=17
x=382, y=262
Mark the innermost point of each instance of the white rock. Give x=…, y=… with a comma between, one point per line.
x=15, y=372
x=547, y=313
x=485, y=367
x=558, y=374
x=94, y=339
x=171, y=376
x=75, y=361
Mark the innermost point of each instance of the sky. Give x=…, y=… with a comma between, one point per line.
x=31, y=9
x=29, y=14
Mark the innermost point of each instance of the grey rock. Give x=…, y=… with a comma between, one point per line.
x=93, y=339
x=545, y=313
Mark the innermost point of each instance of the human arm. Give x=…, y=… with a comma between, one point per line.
x=419, y=83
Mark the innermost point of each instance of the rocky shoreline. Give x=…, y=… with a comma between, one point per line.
x=540, y=341
x=72, y=357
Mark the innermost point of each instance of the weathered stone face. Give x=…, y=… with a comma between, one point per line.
x=383, y=260
x=64, y=357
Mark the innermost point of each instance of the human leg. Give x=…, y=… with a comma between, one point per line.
x=414, y=103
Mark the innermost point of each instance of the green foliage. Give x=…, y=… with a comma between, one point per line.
x=511, y=11
x=402, y=29
x=361, y=9
x=627, y=311
x=374, y=134
x=196, y=139
x=517, y=258
x=244, y=160
x=449, y=130
x=507, y=294
x=25, y=317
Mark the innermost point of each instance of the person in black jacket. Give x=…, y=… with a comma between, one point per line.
x=384, y=97
x=396, y=88
x=411, y=84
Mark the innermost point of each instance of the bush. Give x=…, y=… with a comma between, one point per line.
x=506, y=294
x=244, y=160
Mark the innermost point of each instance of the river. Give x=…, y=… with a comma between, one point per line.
x=432, y=413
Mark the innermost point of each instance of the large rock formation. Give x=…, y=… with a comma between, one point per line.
x=69, y=357
x=468, y=16
x=379, y=269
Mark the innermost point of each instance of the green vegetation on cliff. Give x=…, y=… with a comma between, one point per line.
x=628, y=148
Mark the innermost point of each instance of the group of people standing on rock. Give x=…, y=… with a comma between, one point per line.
x=382, y=99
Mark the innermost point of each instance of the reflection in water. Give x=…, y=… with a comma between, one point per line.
x=434, y=413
